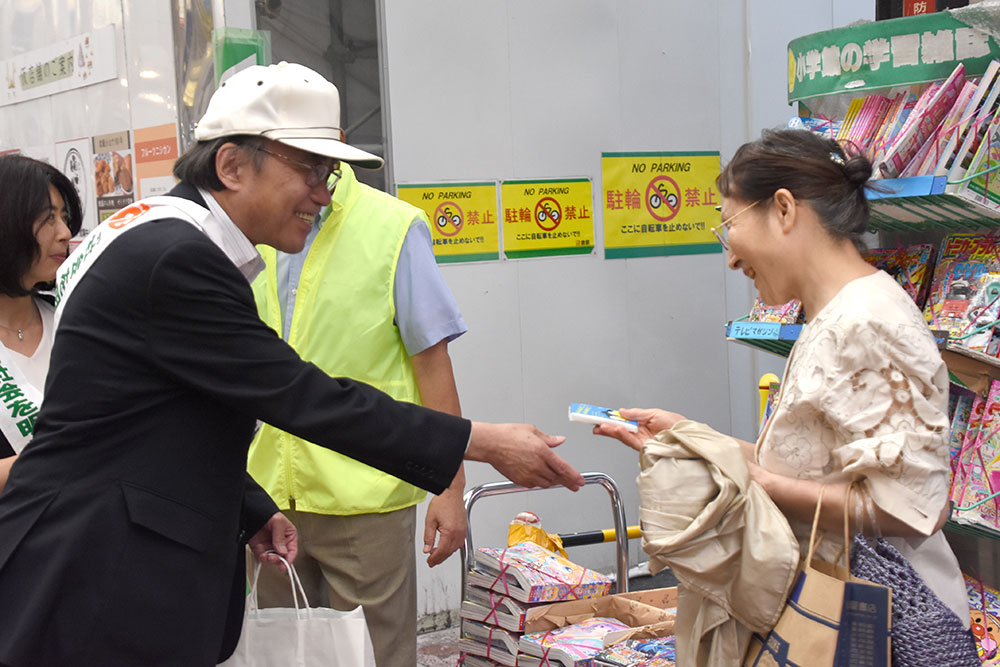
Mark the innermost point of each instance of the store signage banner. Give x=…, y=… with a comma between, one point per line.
x=660, y=203
x=903, y=51
x=71, y=63
x=547, y=217
x=463, y=219
x=155, y=154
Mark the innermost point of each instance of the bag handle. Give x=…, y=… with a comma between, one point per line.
x=813, y=542
x=845, y=552
x=294, y=582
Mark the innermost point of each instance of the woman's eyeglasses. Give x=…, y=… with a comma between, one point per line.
x=721, y=230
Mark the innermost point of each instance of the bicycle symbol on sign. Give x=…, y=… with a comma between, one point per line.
x=548, y=213
x=448, y=218
x=663, y=198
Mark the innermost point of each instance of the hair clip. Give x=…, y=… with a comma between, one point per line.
x=836, y=158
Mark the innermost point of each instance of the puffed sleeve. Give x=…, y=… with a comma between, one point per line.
x=887, y=401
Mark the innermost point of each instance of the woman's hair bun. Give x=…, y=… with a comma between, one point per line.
x=858, y=170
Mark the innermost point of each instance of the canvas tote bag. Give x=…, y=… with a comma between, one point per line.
x=830, y=619
x=302, y=636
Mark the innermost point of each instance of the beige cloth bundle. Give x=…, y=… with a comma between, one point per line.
x=727, y=543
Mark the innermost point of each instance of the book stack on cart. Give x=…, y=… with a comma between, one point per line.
x=519, y=602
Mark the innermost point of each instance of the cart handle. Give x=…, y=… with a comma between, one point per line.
x=503, y=488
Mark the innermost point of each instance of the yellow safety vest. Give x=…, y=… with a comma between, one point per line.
x=343, y=323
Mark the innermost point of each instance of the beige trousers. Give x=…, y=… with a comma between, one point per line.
x=365, y=559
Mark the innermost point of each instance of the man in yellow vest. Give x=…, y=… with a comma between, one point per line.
x=364, y=299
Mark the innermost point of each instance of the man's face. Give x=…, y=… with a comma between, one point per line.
x=279, y=204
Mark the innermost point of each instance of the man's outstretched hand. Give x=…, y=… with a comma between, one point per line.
x=522, y=454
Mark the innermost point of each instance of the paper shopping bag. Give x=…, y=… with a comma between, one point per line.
x=302, y=636
x=830, y=619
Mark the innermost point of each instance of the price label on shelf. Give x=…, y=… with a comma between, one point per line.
x=755, y=330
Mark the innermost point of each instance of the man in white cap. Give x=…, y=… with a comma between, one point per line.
x=124, y=520
x=364, y=299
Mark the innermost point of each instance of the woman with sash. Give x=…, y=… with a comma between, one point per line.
x=39, y=213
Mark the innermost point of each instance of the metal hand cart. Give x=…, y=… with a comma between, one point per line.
x=502, y=488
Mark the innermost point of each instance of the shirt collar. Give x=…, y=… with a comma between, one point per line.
x=223, y=232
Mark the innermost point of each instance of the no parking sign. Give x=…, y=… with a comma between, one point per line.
x=547, y=217
x=659, y=203
x=463, y=218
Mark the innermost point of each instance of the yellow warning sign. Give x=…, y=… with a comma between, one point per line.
x=659, y=203
x=463, y=219
x=547, y=217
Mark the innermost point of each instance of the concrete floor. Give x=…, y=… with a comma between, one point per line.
x=440, y=648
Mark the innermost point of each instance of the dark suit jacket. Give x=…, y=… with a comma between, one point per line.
x=123, y=524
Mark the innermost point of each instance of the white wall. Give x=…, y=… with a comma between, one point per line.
x=527, y=89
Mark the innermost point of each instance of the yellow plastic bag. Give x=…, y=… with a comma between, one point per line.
x=527, y=527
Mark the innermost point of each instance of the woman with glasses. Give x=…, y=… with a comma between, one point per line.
x=39, y=212
x=865, y=392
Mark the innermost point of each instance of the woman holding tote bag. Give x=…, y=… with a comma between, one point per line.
x=39, y=213
x=864, y=395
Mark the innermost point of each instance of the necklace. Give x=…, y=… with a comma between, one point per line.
x=20, y=332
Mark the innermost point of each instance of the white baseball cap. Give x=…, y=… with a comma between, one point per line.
x=286, y=102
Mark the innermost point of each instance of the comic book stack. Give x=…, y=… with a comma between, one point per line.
x=947, y=128
x=504, y=585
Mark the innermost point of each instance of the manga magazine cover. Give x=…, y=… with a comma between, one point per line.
x=965, y=290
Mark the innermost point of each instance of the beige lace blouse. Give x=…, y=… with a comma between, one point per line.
x=864, y=397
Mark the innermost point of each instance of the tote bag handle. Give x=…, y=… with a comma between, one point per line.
x=294, y=582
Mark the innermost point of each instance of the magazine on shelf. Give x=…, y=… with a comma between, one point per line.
x=910, y=266
x=530, y=573
x=930, y=154
x=787, y=313
x=569, y=646
x=984, y=610
x=489, y=642
x=981, y=479
x=822, y=126
x=486, y=606
x=964, y=284
x=977, y=119
x=895, y=121
x=922, y=123
x=956, y=434
x=965, y=453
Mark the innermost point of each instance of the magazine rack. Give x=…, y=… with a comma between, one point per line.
x=503, y=488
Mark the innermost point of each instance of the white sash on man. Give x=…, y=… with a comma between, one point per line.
x=130, y=217
x=19, y=403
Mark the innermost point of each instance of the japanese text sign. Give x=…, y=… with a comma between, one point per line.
x=659, y=203
x=902, y=51
x=547, y=217
x=463, y=219
x=64, y=65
